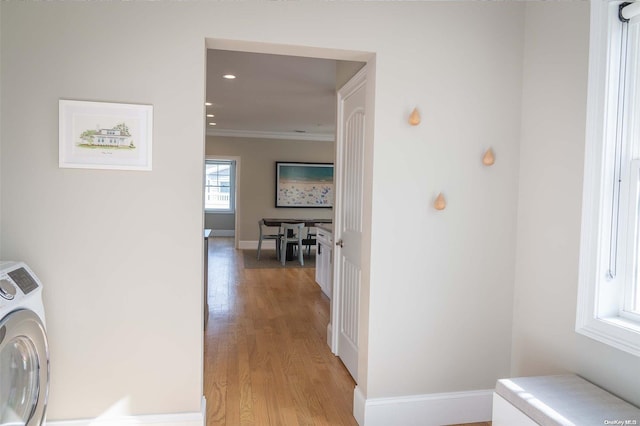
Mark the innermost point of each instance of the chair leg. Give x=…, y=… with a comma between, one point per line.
x=259, y=247
x=300, y=251
x=283, y=251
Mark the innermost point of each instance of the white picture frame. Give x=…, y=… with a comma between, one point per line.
x=105, y=135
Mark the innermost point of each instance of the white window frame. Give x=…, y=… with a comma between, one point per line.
x=609, y=245
x=232, y=185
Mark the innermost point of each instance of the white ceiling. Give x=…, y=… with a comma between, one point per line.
x=274, y=96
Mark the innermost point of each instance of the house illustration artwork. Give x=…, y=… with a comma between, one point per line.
x=116, y=137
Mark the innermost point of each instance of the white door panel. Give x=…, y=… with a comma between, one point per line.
x=348, y=220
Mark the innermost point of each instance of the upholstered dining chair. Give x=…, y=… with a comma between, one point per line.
x=264, y=236
x=291, y=237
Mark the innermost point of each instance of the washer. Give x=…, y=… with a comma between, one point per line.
x=24, y=351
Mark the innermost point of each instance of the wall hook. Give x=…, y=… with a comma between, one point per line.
x=440, y=202
x=488, y=158
x=414, y=118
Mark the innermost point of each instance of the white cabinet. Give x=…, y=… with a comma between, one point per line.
x=324, y=260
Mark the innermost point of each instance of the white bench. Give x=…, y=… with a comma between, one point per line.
x=558, y=400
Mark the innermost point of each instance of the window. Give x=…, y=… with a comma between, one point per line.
x=609, y=286
x=219, y=187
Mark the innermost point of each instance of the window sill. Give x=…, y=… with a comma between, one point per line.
x=219, y=212
x=623, y=323
x=617, y=332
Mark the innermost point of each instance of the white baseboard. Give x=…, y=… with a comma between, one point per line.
x=223, y=233
x=330, y=337
x=178, y=419
x=423, y=410
x=253, y=245
x=359, y=405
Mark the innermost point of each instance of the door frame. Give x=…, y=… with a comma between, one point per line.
x=369, y=58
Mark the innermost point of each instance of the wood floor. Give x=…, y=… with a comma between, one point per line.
x=266, y=360
x=266, y=357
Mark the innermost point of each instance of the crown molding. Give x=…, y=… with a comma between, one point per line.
x=321, y=137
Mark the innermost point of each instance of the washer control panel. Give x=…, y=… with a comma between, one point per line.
x=16, y=282
x=20, y=289
x=24, y=280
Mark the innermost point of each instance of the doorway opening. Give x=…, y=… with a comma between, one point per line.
x=295, y=140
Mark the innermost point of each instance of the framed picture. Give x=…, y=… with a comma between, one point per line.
x=102, y=135
x=304, y=184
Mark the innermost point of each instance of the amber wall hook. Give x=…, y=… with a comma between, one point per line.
x=440, y=202
x=489, y=158
x=414, y=118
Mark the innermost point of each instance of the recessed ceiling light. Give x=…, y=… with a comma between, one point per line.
x=229, y=76
x=212, y=124
x=210, y=115
x=208, y=103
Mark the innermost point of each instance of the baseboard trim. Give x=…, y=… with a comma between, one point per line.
x=424, y=410
x=359, y=405
x=253, y=245
x=223, y=232
x=177, y=419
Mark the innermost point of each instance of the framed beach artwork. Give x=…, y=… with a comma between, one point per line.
x=103, y=135
x=304, y=184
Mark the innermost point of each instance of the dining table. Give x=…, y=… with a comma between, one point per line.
x=307, y=222
x=277, y=222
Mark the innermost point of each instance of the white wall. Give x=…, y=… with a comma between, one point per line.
x=441, y=281
x=549, y=210
x=440, y=295
x=220, y=222
x=119, y=252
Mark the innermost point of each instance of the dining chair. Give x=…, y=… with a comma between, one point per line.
x=290, y=240
x=309, y=240
x=263, y=236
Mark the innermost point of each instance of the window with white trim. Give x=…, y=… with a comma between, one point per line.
x=609, y=286
x=219, y=186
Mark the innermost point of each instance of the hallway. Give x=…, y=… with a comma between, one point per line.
x=266, y=360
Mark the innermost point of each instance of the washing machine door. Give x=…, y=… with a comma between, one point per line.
x=24, y=369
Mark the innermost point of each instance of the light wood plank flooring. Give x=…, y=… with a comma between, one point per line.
x=266, y=360
x=266, y=357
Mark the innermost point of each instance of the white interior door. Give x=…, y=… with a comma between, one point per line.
x=348, y=221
